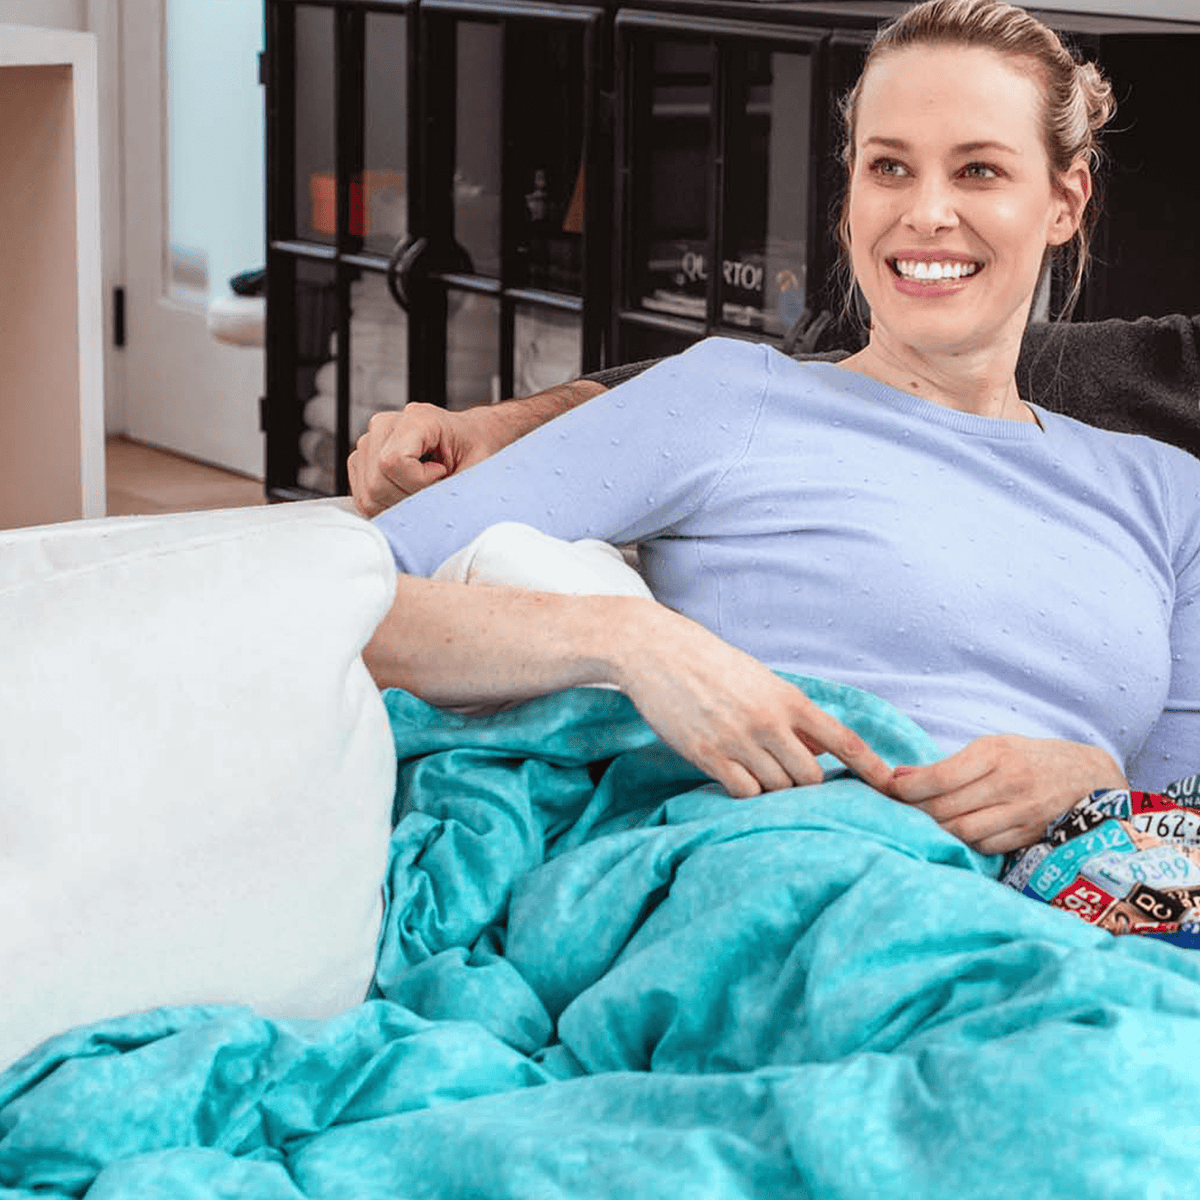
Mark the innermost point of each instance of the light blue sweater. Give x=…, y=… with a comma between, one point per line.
x=984, y=576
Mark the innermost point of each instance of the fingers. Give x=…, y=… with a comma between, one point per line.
x=736, y=780
x=742, y=762
x=392, y=460
x=915, y=785
x=374, y=491
x=725, y=712
x=777, y=749
x=825, y=733
x=1000, y=792
x=1002, y=840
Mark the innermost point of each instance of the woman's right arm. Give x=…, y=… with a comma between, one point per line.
x=638, y=462
x=722, y=710
x=1135, y=376
x=403, y=452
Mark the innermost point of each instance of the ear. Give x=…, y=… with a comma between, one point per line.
x=1073, y=190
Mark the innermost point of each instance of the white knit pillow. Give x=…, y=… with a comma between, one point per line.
x=196, y=770
x=511, y=554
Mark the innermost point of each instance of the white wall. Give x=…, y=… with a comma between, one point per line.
x=90, y=16
x=1188, y=10
x=104, y=20
x=54, y=14
x=216, y=136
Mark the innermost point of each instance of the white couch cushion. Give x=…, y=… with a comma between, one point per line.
x=196, y=770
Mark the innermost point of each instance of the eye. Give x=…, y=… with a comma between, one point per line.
x=979, y=170
x=888, y=168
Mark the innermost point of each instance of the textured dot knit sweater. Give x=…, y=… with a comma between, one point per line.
x=983, y=575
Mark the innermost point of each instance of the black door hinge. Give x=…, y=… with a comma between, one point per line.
x=118, y=316
x=262, y=414
x=262, y=68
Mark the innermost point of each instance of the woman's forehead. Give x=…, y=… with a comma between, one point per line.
x=958, y=94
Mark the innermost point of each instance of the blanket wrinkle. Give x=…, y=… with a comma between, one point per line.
x=600, y=977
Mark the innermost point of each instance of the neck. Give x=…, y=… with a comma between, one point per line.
x=982, y=382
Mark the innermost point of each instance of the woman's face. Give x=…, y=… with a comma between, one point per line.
x=951, y=202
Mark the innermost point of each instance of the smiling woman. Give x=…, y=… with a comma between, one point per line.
x=950, y=224
x=971, y=136
x=1073, y=100
x=902, y=521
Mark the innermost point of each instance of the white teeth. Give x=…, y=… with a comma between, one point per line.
x=934, y=271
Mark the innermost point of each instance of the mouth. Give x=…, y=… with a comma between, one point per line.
x=931, y=271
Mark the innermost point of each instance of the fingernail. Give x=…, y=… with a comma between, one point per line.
x=900, y=772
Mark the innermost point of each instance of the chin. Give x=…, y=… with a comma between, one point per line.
x=935, y=338
x=947, y=333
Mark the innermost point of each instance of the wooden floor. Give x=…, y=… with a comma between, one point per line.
x=143, y=480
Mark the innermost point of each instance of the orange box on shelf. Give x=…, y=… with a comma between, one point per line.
x=322, y=190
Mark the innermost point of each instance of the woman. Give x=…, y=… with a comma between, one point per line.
x=904, y=521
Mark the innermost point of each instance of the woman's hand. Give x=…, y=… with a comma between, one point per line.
x=999, y=793
x=726, y=713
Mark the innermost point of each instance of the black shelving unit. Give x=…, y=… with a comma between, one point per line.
x=471, y=199
x=721, y=122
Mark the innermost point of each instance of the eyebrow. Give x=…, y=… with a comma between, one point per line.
x=961, y=148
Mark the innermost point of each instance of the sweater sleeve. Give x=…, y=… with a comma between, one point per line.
x=626, y=465
x=1172, y=750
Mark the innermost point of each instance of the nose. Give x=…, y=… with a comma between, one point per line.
x=932, y=208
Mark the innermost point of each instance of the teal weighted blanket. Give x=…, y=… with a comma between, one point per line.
x=601, y=977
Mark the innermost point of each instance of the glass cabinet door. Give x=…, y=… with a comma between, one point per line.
x=478, y=142
x=762, y=282
x=716, y=189
x=348, y=96
x=312, y=95
x=674, y=150
x=338, y=206
x=379, y=191
x=511, y=211
x=545, y=146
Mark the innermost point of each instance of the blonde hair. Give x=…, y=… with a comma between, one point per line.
x=1078, y=100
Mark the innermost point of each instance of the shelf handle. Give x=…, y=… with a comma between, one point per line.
x=405, y=259
x=400, y=267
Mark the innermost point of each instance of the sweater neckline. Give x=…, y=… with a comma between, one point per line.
x=971, y=424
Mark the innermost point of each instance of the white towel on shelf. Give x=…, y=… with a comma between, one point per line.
x=325, y=379
x=319, y=449
x=316, y=480
x=320, y=412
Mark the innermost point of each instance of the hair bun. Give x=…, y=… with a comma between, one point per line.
x=1097, y=95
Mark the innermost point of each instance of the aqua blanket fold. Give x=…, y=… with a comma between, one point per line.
x=599, y=976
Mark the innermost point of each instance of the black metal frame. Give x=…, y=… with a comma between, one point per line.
x=438, y=27
x=285, y=250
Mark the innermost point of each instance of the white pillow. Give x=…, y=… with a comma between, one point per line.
x=511, y=554
x=196, y=769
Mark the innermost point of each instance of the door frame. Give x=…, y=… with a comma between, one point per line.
x=103, y=19
x=227, y=441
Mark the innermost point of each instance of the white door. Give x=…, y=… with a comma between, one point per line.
x=193, y=183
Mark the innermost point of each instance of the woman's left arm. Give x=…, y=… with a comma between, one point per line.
x=1000, y=792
